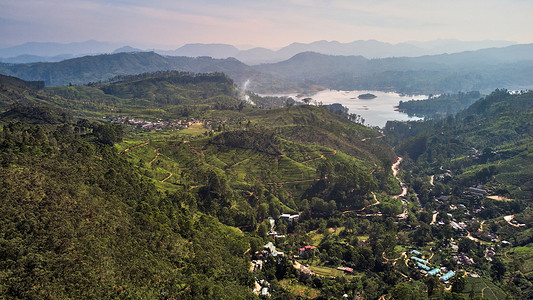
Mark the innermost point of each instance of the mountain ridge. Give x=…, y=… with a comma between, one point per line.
x=257, y=55
x=482, y=70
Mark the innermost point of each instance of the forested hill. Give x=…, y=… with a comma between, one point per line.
x=439, y=106
x=488, y=143
x=170, y=185
x=482, y=70
x=102, y=67
x=165, y=190
x=79, y=221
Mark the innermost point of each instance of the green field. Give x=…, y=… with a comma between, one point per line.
x=484, y=288
x=299, y=290
x=523, y=256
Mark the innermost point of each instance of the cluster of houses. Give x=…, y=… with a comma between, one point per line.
x=270, y=250
x=425, y=268
x=156, y=125
x=478, y=191
x=464, y=260
x=262, y=288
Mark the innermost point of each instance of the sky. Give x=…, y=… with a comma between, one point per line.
x=263, y=23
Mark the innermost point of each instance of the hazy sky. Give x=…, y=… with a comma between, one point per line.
x=266, y=23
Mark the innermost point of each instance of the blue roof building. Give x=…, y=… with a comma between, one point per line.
x=447, y=276
x=419, y=260
x=416, y=252
x=434, y=272
x=423, y=267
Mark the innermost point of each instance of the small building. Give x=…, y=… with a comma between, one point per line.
x=422, y=261
x=257, y=265
x=457, y=226
x=489, y=253
x=272, y=233
x=306, y=251
x=462, y=259
x=346, y=269
x=434, y=272
x=289, y=218
x=416, y=252
x=423, y=267
x=477, y=191
x=270, y=249
x=443, y=198
x=447, y=276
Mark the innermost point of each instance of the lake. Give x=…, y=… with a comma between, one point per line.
x=376, y=112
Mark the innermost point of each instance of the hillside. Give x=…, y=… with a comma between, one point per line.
x=475, y=167
x=89, y=219
x=493, y=133
x=482, y=70
x=78, y=220
x=168, y=185
x=96, y=68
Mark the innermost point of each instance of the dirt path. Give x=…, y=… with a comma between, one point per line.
x=406, y=260
x=434, y=220
x=133, y=147
x=393, y=259
x=395, y=170
x=166, y=178
x=374, y=137
x=487, y=287
x=499, y=198
x=469, y=235
x=431, y=179
x=396, y=166
x=320, y=157
x=156, y=155
x=432, y=254
x=510, y=218
x=297, y=181
x=362, y=209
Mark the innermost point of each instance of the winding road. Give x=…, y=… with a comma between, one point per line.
x=395, y=171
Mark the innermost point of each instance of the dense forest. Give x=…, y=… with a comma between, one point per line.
x=439, y=106
x=177, y=185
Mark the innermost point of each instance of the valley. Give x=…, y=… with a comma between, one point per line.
x=175, y=177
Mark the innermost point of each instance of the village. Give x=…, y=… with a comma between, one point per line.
x=466, y=247
x=158, y=125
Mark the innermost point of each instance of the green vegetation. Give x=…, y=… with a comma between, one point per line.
x=440, y=106
x=169, y=185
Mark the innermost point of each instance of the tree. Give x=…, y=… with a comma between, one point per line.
x=262, y=230
x=307, y=100
x=466, y=245
x=458, y=282
x=432, y=284
x=108, y=134
x=408, y=291
x=498, y=269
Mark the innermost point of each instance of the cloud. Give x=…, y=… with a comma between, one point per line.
x=273, y=23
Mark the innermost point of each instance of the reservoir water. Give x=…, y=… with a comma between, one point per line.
x=376, y=112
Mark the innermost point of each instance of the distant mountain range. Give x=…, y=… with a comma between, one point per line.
x=368, y=49
x=53, y=52
x=483, y=70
